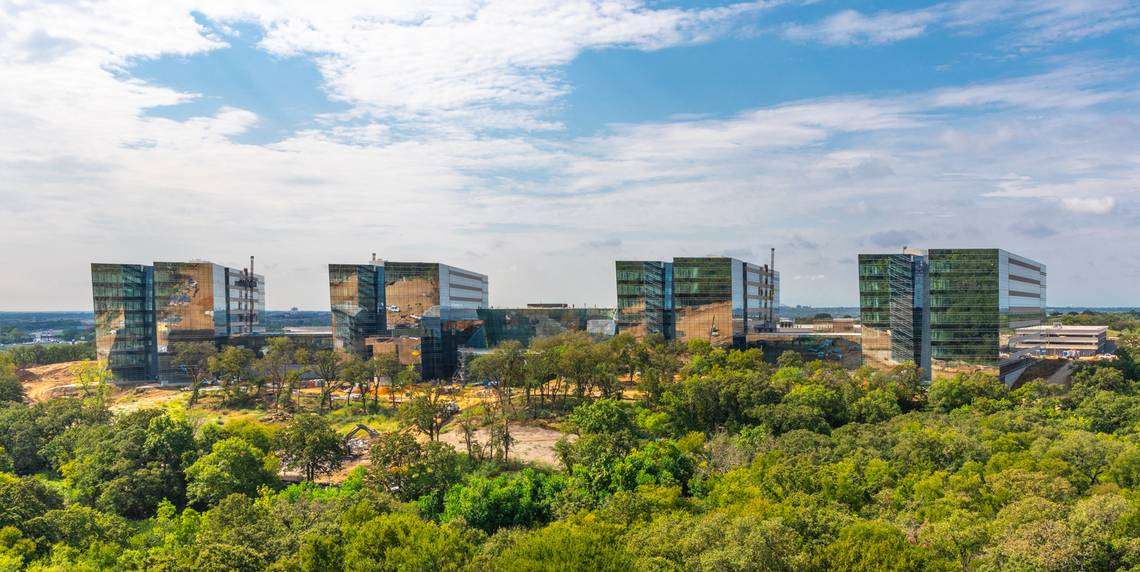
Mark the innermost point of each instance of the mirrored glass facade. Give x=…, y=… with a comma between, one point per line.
x=358, y=308
x=645, y=297
x=976, y=297
x=411, y=291
x=201, y=301
x=176, y=302
x=719, y=299
x=708, y=297
x=524, y=325
x=423, y=311
x=893, y=294
x=124, y=319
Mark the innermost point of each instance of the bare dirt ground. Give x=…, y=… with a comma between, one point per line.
x=47, y=381
x=58, y=379
x=532, y=443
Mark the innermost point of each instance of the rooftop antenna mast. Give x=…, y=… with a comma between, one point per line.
x=248, y=285
x=252, y=290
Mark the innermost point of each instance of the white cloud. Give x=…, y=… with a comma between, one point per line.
x=1102, y=205
x=413, y=171
x=421, y=61
x=1031, y=23
x=1041, y=22
x=852, y=27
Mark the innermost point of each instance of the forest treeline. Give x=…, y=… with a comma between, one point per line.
x=676, y=458
x=43, y=354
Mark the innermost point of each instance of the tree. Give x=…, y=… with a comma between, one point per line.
x=359, y=376
x=1100, y=378
x=309, y=444
x=961, y=537
x=233, y=466
x=233, y=366
x=129, y=467
x=817, y=396
x=876, y=406
x=1088, y=454
x=327, y=364
x=950, y=393
x=398, y=542
x=1107, y=411
x=716, y=541
x=510, y=500
x=427, y=412
x=249, y=430
x=873, y=546
x=33, y=435
x=604, y=416
x=279, y=356
x=407, y=378
x=15, y=550
x=661, y=362
x=24, y=499
x=94, y=379
x=504, y=367
x=80, y=526
x=194, y=358
x=790, y=359
x=409, y=469
x=580, y=545
x=625, y=349
x=1125, y=468
x=387, y=365
x=10, y=387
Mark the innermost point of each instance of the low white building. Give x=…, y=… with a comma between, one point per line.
x=1061, y=340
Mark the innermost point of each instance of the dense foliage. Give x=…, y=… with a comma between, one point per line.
x=674, y=458
x=1114, y=320
x=44, y=354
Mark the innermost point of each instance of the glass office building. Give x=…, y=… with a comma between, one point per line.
x=645, y=297
x=708, y=297
x=893, y=295
x=524, y=325
x=180, y=302
x=719, y=299
x=124, y=319
x=435, y=303
x=358, y=309
x=201, y=301
x=423, y=311
x=415, y=290
x=977, y=297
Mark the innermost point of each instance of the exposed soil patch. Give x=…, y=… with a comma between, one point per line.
x=43, y=382
x=533, y=444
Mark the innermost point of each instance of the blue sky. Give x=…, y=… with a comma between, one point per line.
x=537, y=141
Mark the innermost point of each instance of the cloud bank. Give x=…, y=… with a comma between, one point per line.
x=452, y=147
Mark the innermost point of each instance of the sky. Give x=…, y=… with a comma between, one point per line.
x=538, y=141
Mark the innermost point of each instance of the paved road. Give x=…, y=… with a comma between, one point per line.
x=1061, y=376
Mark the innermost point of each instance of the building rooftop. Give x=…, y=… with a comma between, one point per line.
x=1063, y=329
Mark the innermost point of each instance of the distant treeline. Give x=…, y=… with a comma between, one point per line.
x=276, y=320
x=1119, y=321
x=16, y=327
x=44, y=354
